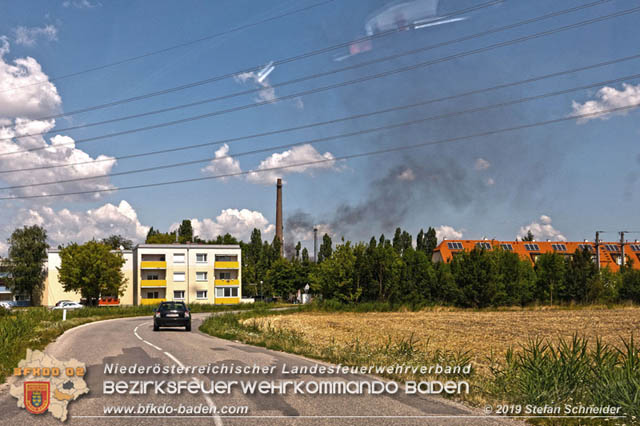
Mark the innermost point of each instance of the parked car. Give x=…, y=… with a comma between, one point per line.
x=6, y=305
x=172, y=314
x=68, y=305
x=60, y=302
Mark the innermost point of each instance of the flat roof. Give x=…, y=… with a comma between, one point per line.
x=183, y=246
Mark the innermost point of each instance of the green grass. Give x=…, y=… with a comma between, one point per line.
x=36, y=327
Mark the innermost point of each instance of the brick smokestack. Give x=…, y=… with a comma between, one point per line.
x=279, y=215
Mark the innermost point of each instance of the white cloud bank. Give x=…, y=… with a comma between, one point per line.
x=28, y=36
x=448, y=232
x=222, y=164
x=35, y=96
x=542, y=230
x=296, y=155
x=238, y=223
x=608, y=98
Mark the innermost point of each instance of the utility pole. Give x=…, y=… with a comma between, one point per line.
x=622, y=247
x=315, y=245
x=598, y=248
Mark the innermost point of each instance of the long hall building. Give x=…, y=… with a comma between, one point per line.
x=610, y=254
x=191, y=273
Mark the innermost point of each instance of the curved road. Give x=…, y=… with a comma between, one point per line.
x=131, y=341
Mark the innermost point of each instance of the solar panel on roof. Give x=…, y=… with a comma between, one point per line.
x=559, y=247
x=531, y=247
x=586, y=246
x=612, y=247
x=635, y=247
x=483, y=245
x=506, y=246
x=455, y=246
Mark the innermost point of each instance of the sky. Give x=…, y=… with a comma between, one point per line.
x=562, y=181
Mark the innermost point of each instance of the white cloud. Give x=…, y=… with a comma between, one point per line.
x=238, y=223
x=222, y=164
x=407, y=175
x=28, y=36
x=608, y=98
x=448, y=232
x=267, y=94
x=542, y=230
x=54, y=153
x=65, y=226
x=34, y=95
x=81, y=4
x=296, y=155
x=482, y=164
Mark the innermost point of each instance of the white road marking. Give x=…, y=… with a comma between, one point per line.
x=152, y=345
x=176, y=360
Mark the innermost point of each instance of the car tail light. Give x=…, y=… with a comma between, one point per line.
x=157, y=314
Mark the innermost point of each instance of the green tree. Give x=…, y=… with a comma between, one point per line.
x=529, y=236
x=161, y=238
x=25, y=264
x=92, y=270
x=305, y=255
x=630, y=285
x=334, y=277
x=580, y=271
x=325, y=248
x=550, y=273
x=117, y=241
x=185, y=231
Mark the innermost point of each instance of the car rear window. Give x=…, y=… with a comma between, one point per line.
x=172, y=306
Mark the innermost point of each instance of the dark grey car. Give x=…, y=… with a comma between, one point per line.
x=172, y=314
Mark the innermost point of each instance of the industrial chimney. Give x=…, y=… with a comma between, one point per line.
x=279, y=215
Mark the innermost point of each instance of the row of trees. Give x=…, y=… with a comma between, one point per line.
x=394, y=271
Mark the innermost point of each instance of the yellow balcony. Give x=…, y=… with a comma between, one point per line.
x=227, y=282
x=153, y=264
x=227, y=300
x=151, y=301
x=153, y=283
x=227, y=265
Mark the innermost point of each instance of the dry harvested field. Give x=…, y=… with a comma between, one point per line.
x=481, y=332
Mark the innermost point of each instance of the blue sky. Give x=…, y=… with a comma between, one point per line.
x=564, y=181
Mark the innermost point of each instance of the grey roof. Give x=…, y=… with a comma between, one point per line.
x=186, y=246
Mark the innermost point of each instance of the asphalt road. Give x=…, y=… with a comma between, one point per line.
x=132, y=341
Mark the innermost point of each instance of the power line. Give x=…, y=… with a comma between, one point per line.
x=275, y=63
x=316, y=75
x=333, y=86
x=176, y=46
x=336, y=120
x=344, y=135
x=345, y=157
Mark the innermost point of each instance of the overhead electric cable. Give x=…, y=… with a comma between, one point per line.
x=339, y=136
x=340, y=158
x=176, y=46
x=296, y=80
x=333, y=86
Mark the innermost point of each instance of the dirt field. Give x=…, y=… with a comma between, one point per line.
x=480, y=332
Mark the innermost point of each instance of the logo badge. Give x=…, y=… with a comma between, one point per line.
x=36, y=397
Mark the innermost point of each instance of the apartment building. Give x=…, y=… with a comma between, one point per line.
x=191, y=273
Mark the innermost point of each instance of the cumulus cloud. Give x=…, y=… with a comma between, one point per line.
x=448, y=232
x=81, y=4
x=407, y=175
x=542, y=230
x=296, y=155
x=28, y=36
x=481, y=164
x=59, y=149
x=65, y=226
x=34, y=95
x=238, y=223
x=222, y=164
x=608, y=98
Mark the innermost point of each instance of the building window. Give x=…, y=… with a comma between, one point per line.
x=178, y=295
x=226, y=258
x=153, y=295
x=178, y=277
x=201, y=257
x=226, y=291
x=201, y=294
x=224, y=275
x=201, y=276
x=178, y=257
x=455, y=246
x=152, y=277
